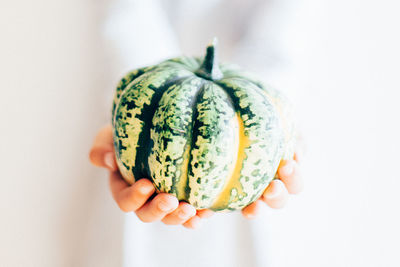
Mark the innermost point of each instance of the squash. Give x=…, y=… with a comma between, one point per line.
x=211, y=134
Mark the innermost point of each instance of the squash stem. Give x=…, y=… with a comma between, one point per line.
x=209, y=68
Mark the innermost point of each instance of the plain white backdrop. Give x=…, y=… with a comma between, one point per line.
x=343, y=71
x=346, y=71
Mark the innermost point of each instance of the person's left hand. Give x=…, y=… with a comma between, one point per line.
x=277, y=192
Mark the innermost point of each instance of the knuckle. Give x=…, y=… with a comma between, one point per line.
x=168, y=222
x=123, y=204
x=93, y=155
x=123, y=207
x=143, y=218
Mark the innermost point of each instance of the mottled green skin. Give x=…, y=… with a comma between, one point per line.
x=279, y=100
x=261, y=126
x=180, y=130
x=171, y=134
x=212, y=150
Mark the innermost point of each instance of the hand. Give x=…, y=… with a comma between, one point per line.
x=277, y=192
x=164, y=207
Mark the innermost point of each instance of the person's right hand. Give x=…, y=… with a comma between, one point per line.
x=136, y=197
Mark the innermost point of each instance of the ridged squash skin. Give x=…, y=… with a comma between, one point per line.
x=208, y=133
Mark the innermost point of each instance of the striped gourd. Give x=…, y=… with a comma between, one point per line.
x=208, y=133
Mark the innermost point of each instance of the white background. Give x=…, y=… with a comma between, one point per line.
x=344, y=75
x=346, y=63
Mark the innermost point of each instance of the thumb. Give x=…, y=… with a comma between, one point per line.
x=102, y=152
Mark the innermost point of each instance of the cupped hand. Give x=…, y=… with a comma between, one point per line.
x=166, y=207
x=138, y=196
x=277, y=193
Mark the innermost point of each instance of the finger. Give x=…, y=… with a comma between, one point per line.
x=276, y=195
x=252, y=210
x=206, y=213
x=130, y=198
x=157, y=208
x=297, y=157
x=289, y=173
x=102, y=152
x=184, y=212
x=193, y=222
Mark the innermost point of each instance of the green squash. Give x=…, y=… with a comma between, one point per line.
x=208, y=133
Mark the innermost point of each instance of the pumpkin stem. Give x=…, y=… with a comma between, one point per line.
x=209, y=68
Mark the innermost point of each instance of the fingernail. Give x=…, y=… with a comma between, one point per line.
x=183, y=215
x=276, y=191
x=109, y=160
x=146, y=189
x=164, y=206
x=186, y=213
x=287, y=169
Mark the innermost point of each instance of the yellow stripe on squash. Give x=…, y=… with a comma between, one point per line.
x=233, y=182
x=182, y=183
